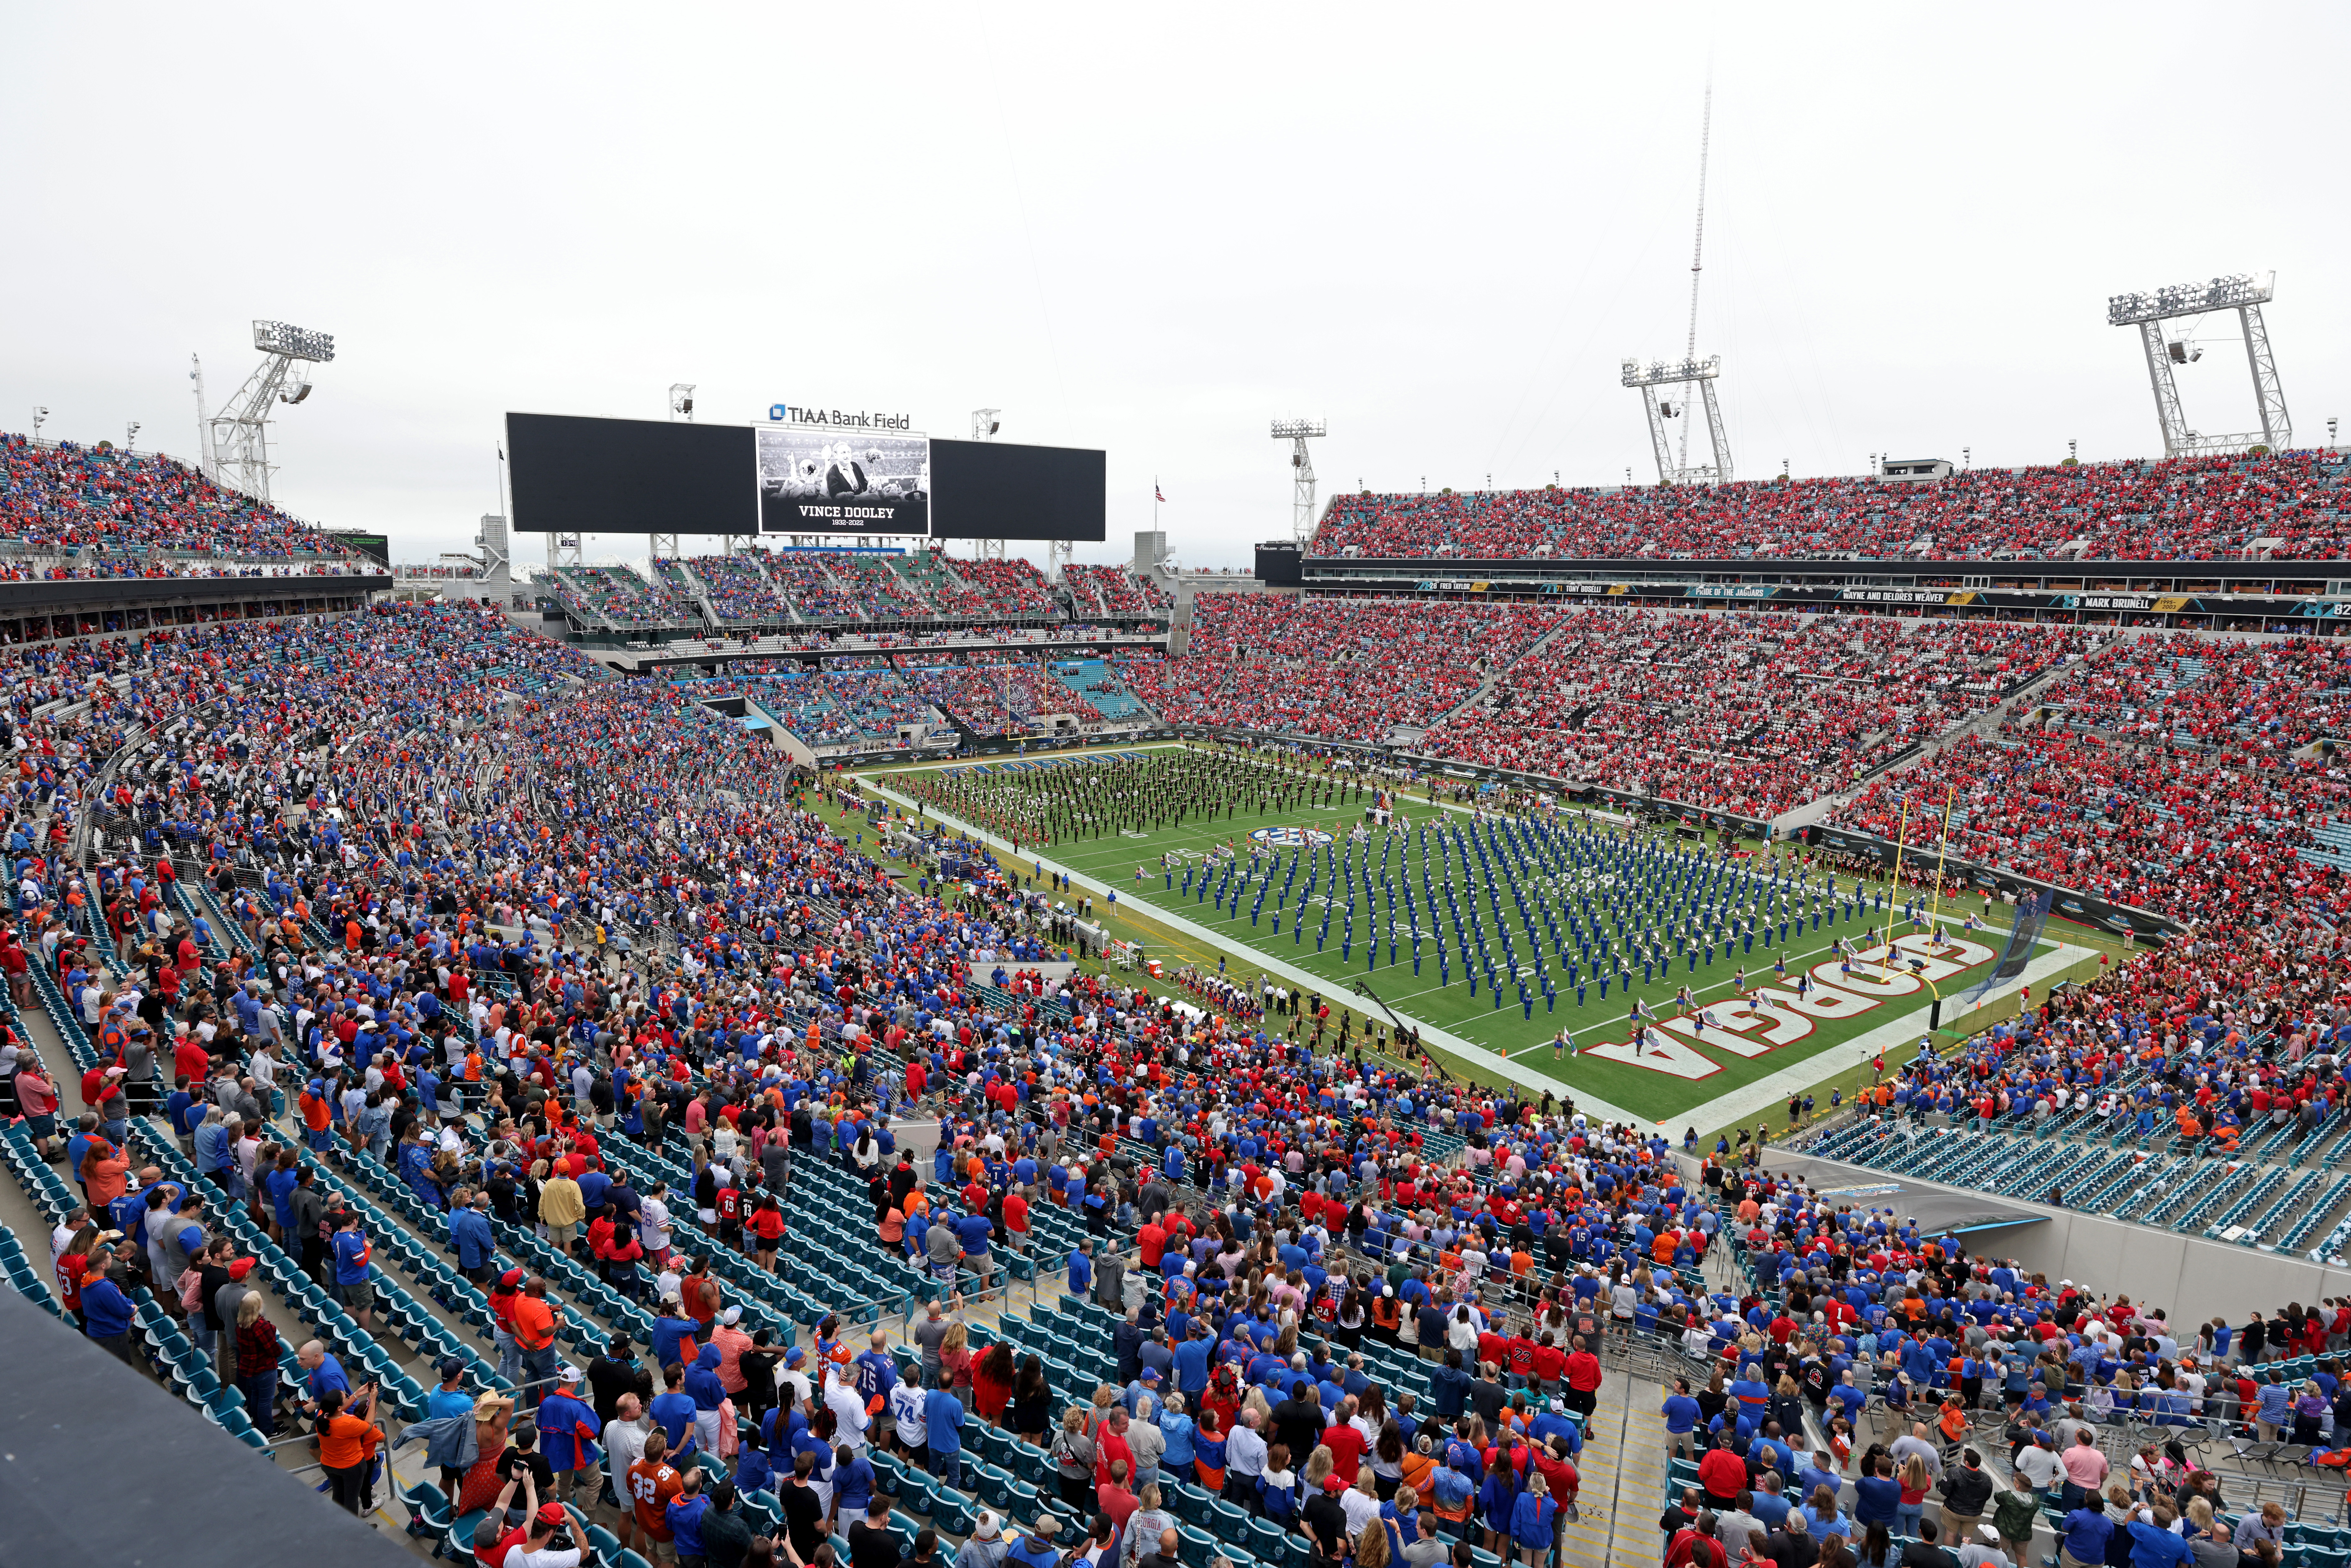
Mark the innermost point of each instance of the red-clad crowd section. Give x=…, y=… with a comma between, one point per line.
x=2199, y=508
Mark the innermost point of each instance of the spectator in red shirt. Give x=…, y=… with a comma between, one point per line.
x=1583, y=1373
x=1723, y=1474
x=1346, y=1444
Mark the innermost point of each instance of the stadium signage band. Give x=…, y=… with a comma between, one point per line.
x=838, y=418
x=2210, y=603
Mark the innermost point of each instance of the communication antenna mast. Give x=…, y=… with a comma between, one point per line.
x=1297, y=433
x=1649, y=377
x=203, y=425
x=240, y=431
x=1697, y=245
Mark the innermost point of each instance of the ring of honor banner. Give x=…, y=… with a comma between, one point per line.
x=813, y=480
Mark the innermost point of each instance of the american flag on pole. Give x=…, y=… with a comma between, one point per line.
x=1157, y=494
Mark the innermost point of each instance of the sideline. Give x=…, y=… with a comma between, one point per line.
x=1725, y=1110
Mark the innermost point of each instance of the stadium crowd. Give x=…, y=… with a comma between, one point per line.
x=102, y=512
x=1746, y=714
x=1113, y=592
x=740, y=587
x=1334, y=669
x=2195, y=509
x=618, y=595
x=1362, y=1306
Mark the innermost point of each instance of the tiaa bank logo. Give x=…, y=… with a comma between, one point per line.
x=1291, y=838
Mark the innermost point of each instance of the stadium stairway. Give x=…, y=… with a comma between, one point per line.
x=1484, y=688
x=685, y=577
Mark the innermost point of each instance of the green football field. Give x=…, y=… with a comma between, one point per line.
x=1567, y=888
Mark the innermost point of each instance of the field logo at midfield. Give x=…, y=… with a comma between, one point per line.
x=1291, y=838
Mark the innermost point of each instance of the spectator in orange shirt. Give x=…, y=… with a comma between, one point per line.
x=534, y=1334
x=105, y=1174
x=347, y=1441
x=317, y=1113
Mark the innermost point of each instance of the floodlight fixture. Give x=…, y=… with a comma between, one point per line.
x=294, y=342
x=1647, y=377
x=1297, y=433
x=2243, y=292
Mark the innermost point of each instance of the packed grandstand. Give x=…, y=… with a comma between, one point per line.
x=761, y=588
x=526, y=1103
x=2286, y=506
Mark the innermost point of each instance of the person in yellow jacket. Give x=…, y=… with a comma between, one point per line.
x=560, y=1206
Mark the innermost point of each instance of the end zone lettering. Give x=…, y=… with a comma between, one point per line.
x=1774, y=1015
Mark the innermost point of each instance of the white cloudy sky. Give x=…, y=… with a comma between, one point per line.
x=1151, y=229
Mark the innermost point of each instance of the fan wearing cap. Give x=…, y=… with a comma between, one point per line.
x=1037, y=1549
x=566, y=1432
x=544, y=1541
x=990, y=1541
x=449, y=1399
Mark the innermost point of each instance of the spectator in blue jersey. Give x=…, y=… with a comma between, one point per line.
x=973, y=1232
x=1682, y=1414
x=703, y=1386
x=684, y=1516
x=106, y=1312
x=672, y=1411
x=943, y=1425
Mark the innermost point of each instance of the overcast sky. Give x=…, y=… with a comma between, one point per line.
x=1151, y=230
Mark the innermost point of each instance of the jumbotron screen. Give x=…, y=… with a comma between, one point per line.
x=814, y=480
x=572, y=473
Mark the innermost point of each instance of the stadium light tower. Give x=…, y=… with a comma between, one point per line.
x=1297, y=433
x=664, y=546
x=240, y=431
x=1684, y=373
x=984, y=427
x=2243, y=292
